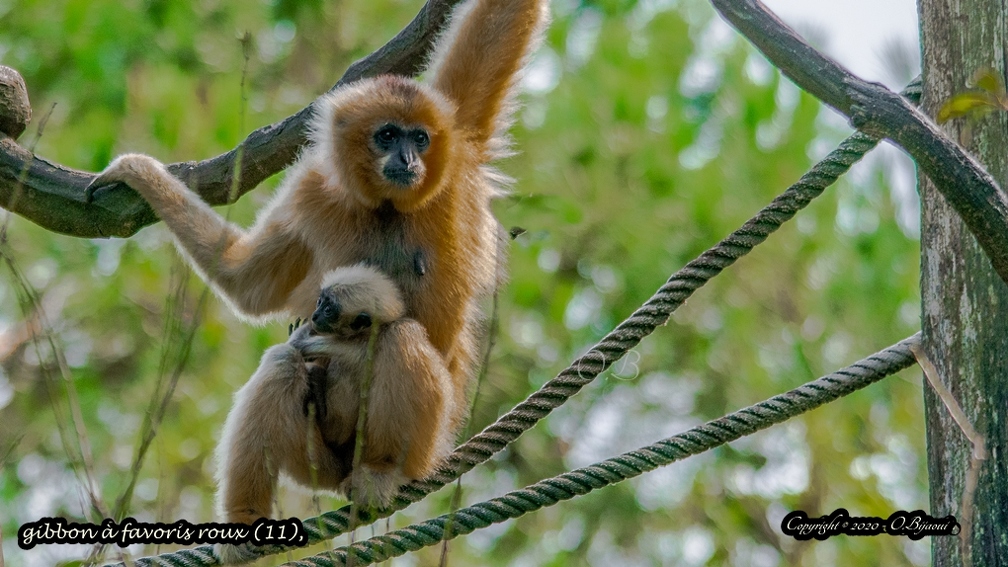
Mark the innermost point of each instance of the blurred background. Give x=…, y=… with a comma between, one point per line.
x=649, y=131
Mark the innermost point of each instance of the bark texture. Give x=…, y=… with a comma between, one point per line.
x=964, y=303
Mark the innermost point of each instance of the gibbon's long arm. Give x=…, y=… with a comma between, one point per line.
x=477, y=61
x=254, y=270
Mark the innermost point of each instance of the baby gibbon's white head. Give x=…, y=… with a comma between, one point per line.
x=362, y=289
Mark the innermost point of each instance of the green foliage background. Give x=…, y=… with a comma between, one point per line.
x=648, y=133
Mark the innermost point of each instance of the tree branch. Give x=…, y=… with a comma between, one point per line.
x=876, y=110
x=52, y=196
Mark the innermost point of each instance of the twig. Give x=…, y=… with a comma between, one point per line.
x=361, y=425
x=977, y=456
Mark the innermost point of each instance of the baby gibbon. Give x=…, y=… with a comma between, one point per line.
x=396, y=176
x=408, y=427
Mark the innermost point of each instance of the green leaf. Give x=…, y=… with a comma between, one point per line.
x=987, y=79
x=966, y=103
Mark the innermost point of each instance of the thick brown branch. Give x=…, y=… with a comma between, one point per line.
x=15, y=110
x=52, y=196
x=871, y=107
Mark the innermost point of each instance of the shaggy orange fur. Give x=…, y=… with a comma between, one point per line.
x=335, y=208
x=428, y=227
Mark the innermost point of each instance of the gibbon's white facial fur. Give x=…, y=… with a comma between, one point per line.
x=333, y=130
x=343, y=126
x=367, y=289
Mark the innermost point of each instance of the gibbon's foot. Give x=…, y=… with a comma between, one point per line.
x=374, y=489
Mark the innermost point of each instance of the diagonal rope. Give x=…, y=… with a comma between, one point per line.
x=655, y=312
x=628, y=465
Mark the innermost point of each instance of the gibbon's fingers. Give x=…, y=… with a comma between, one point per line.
x=293, y=326
x=115, y=174
x=98, y=184
x=299, y=333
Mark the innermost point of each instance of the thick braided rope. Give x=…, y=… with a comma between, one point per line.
x=611, y=348
x=628, y=465
x=655, y=312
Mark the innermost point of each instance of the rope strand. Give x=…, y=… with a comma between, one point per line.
x=628, y=465
x=586, y=368
x=655, y=312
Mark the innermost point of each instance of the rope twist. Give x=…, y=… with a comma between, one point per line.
x=628, y=465
x=653, y=313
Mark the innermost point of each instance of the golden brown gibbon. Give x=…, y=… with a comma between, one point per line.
x=397, y=176
x=408, y=420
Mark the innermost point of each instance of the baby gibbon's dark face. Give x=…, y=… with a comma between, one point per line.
x=330, y=318
x=402, y=152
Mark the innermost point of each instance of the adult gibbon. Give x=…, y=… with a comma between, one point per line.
x=396, y=176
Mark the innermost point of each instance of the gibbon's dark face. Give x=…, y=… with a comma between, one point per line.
x=402, y=151
x=390, y=139
x=329, y=318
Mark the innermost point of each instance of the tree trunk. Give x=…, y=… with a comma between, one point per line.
x=964, y=303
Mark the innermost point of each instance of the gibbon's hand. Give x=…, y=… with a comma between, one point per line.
x=293, y=326
x=99, y=184
x=119, y=172
x=313, y=347
x=299, y=335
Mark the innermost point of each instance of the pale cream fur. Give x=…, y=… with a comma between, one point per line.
x=409, y=417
